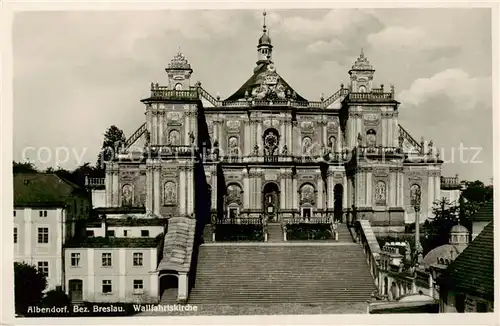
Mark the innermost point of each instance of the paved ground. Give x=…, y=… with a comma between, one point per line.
x=270, y=309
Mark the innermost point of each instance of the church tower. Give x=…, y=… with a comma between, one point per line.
x=179, y=72
x=264, y=48
x=361, y=75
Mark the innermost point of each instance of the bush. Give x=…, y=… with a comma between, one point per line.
x=29, y=285
x=308, y=231
x=239, y=232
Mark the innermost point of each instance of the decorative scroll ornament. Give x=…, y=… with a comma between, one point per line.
x=332, y=125
x=380, y=193
x=371, y=119
x=233, y=125
x=307, y=125
x=173, y=116
x=179, y=61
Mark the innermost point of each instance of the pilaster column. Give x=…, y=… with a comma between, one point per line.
x=222, y=141
x=395, y=130
x=298, y=140
x=359, y=126
x=116, y=190
x=430, y=191
x=390, y=132
x=400, y=199
x=246, y=190
x=259, y=135
x=122, y=274
x=295, y=193
x=182, y=191
x=384, y=131
x=246, y=142
x=187, y=126
x=330, y=189
x=346, y=192
x=283, y=190
x=258, y=192
x=215, y=134
x=214, y=187
x=149, y=120
x=161, y=117
x=289, y=141
x=108, y=187
x=325, y=134
x=437, y=185
x=154, y=129
x=190, y=190
x=157, y=198
x=393, y=189
x=319, y=187
x=368, y=188
x=149, y=188
x=339, y=139
x=282, y=135
x=289, y=193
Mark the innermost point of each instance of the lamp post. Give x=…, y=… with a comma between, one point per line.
x=415, y=202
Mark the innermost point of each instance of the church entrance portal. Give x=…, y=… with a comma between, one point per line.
x=271, y=201
x=338, y=192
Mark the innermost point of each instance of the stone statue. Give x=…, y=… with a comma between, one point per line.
x=127, y=195
x=256, y=149
x=170, y=193
x=360, y=140
x=380, y=191
x=284, y=151
x=147, y=138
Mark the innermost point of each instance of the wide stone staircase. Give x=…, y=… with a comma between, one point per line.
x=286, y=272
x=274, y=232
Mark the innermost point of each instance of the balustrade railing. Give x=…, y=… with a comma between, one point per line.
x=403, y=134
x=173, y=149
x=173, y=94
x=373, y=96
x=95, y=181
x=447, y=182
x=240, y=221
x=367, y=150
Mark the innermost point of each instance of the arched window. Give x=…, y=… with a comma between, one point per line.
x=362, y=89
x=332, y=144
x=170, y=193
x=178, y=86
x=371, y=138
x=380, y=193
x=234, y=194
x=174, y=138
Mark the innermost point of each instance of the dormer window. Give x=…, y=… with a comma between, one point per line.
x=362, y=89
x=178, y=87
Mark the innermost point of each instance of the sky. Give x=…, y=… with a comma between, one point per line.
x=76, y=73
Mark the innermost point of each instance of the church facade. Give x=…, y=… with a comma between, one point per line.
x=267, y=152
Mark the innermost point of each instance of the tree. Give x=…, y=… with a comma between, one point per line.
x=26, y=167
x=29, y=284
x=55, y=298
x=437, y=228
x=477, y=192
x=113, y=139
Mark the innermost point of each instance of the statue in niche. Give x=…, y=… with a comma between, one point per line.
x=170, y=193
x=271, y=143
x=233, y=193
x=284, y=150
x=233, y=146
x=306, y=145
x=147, y=138
x=256, y=150
x=307, y=193
x=127, y=195
x=415, y=194
x=332, y=144
x=174, y=137
x=371, y=138
x=380, y=192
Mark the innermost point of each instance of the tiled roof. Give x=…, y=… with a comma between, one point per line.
x=43, y=189
x=472, y=271
x=112, y=242
x=178, y=245
x=255, y=81
x=485, y=213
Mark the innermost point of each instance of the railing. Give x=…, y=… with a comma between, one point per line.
x=306, y=158
x=138, y=133
x=315, y=219
x=447, y=182
x=240, y=221
x=364, y=150
x=173, y=94
x=406, y=135
x=372, y=251
x=173, y=149
x=94, y=181
x=335, y=96
x=371, y=96
x=208, y=97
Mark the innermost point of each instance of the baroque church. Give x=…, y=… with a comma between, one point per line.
x=266, y=152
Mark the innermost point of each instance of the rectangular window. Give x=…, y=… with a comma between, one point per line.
x=106, y=286
x=42, y=213
x=138, y=284
x=106, y=259
x=125, y=233
x=111, y=233
x=43, y=235
x=75, y=259
x=15, y=235
x=306, y=212
x=144, y=233
x=43, y=268
x=14, y=213
x=90, y=233
x=138, y=258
